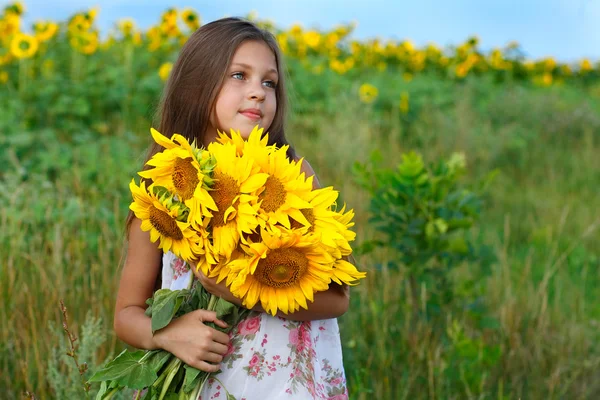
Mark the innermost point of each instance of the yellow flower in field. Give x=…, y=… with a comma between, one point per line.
x=85, y=42
x=338, y=66
x=283, y=43
x=547, y=79
x=368, y=93
x=190, y=18
x=45, y=31
x=549, y=64
x=404, y=102
x=282, y=272
x=23, y=46
x=161, y=218
x=91, y=14
x=296, y=30
x=165, y=70
x=184, y=171
x=312, y=39
x=3, y=77
x=236, y=182
x=10, y=25
x=170, y=30
x=137, y=38
x=16, y=8
x=585, y=65
x=407, y=77
x=126, y=26
x=169, y=17
x=462, y=70
x=79, y=24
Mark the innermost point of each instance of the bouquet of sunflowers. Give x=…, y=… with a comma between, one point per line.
x=244, y=213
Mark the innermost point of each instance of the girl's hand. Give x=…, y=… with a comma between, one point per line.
x=218, y=289
x=193, y=342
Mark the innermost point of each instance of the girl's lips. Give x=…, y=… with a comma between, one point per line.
x=251, y=115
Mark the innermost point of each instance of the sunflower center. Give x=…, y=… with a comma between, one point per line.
x=281, y=268
x=165, y=224
x=309, y=215
x=224, y=192
x=185, y=177
x=273, y=196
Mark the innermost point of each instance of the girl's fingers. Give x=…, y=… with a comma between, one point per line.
x=220, y=337
x=222, y=324
x=218, y=348
x=213, y=358
x=206, y=367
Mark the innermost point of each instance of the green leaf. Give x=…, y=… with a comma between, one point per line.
x=224, y=308
x=102, y=391
x=128, y=370
x=192, y=377
x=159, y=359
x=230, y=397
x=165, y=306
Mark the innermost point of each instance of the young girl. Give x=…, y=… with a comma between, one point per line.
x=229, y=74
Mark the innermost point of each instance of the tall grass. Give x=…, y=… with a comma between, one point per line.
x=529, y=327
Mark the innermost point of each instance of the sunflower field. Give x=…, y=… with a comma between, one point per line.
x=474, y=177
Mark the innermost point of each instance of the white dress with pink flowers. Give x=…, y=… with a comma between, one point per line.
x=270, y=358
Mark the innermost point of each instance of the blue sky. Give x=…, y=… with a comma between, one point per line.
x=566, y=29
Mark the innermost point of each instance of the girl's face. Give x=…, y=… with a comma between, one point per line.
x=247, y=97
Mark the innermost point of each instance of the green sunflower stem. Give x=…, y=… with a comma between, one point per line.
x=171, y=374
x=212, y=303
x=198, y=388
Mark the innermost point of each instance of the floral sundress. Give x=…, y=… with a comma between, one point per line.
x=271, y=358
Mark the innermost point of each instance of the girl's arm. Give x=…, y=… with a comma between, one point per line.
x=141, y=268
x=186, y=337
x=331, y=303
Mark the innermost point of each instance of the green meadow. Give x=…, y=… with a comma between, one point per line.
x=518, y=318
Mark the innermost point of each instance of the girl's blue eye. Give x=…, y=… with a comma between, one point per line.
x=241, y=75
x=270, y=84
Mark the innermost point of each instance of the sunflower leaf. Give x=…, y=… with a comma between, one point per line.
x=165, y=306
x=129, y=369
x=192, y=377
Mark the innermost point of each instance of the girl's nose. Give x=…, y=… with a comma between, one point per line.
x=257, y=92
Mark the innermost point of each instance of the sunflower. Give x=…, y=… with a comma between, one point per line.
x=161, y=216
x=85, y=42
x=165, y=70
x=256, y=139
x=236, y=181
x=45, y=31
x=344, y=272
x=19, y=41
x=367, y=93
x=324, y=222
x=281, y=272
x=126, y=26
x=183, y=170
x=190, y=18
x=286, y=189
x=345, y=219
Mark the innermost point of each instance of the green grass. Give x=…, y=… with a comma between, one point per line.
x=525, y=323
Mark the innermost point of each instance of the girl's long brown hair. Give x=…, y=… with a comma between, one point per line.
x=197, y=76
